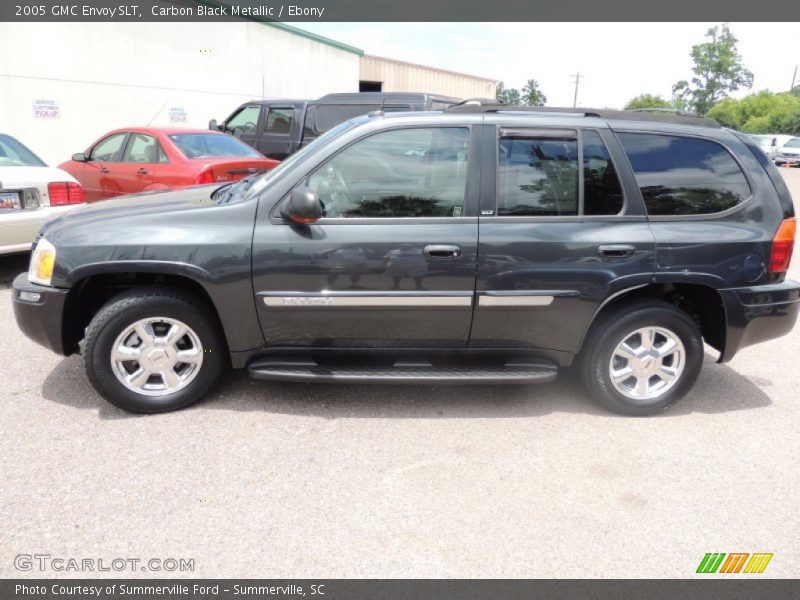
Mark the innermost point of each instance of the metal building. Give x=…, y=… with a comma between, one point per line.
x=379, y=74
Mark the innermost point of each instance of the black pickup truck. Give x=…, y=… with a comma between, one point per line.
x=483, y=244
x=277, y=128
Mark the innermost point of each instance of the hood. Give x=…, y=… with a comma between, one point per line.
x=18, y=177
x=151, y=207
x=790, y=150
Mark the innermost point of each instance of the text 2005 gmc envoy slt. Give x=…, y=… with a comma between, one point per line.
x=481, y=244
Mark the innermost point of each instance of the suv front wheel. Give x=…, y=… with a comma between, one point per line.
x=154, y=350
x=641, y=356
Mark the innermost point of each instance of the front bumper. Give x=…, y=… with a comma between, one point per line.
x=757, y=314
x=787, y=160
x=41, y=320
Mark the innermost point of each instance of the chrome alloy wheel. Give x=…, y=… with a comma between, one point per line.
x=647, y=363
x=156, y=356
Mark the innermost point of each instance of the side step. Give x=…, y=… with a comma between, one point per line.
x=403, y=371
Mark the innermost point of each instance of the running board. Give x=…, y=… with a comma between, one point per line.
x=403, y=371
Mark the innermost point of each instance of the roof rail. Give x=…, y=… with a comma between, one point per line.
x=670, y=116
x=668, y=111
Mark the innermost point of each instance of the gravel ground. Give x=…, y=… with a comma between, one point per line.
x=296, y=480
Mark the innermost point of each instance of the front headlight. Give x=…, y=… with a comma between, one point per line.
x=43, y=261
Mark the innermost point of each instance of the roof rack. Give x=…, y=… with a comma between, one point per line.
x=669, y=111
x=479, y=105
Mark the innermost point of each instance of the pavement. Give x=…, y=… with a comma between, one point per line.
x=307, y=480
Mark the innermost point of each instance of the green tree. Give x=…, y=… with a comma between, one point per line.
x=647, y=101
x=764, y=112
x=718, y=70
x=532, y=95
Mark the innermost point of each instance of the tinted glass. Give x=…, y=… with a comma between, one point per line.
x=795, y=143
x=402, y=173
x=202, y=145
x=684, y=176
x=330, y=115
x=279, y=120
x=246, y=119
x=14, y=154
x=110, y=149
x=537, y=176
x=602, y=192
x=143, y=149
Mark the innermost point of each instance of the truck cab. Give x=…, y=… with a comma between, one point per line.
x=278, y=128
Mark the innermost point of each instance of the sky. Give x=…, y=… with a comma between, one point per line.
x=617, y=61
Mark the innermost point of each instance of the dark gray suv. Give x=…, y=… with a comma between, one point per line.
x=482, y=244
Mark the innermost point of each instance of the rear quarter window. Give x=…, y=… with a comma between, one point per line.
x=681, y=176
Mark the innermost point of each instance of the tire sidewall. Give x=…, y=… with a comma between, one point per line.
x=122, y=312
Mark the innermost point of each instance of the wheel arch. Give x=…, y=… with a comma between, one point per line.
x=702, y=303
x=93, y=288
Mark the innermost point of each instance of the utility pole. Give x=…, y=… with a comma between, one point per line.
x=577, y=77
x=793, y=78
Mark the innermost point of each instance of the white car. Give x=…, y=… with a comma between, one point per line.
x=770, y=143
x=789, y=153
x=31, y=193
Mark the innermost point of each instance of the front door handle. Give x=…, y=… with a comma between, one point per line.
x=142, y=171
x=616, y=250
x=103, y=170
x=442, y=251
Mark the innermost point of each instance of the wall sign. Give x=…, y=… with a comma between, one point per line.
x=46, y=109
x=177, y=114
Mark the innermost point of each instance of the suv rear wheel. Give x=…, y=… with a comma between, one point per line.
x=641, y=356
x=154, y=350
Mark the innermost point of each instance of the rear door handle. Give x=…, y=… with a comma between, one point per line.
x=616, y=250
x=104, y=170
x=142, y=171
x=442, y=251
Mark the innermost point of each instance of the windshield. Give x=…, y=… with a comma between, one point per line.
x=763, y=140
x=204, y=145
x=14, y=154
x=795, y=143
x=261, y=182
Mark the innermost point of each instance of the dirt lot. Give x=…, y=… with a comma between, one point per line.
x=292, y=480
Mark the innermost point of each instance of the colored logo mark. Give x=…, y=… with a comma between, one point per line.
x=734, y=562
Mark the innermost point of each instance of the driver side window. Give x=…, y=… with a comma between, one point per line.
x=246, y=119
x=110, y=149
x=420, y=172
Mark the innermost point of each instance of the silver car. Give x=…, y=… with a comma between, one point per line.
x=31, y=193
x=789, y=153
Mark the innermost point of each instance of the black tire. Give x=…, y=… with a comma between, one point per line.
x=612, y=327
x=131, y=306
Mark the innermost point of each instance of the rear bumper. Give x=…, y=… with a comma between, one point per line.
x=757, y=314
x=41, y=319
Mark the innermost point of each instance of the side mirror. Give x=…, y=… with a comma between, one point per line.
x=79, y=157
x=303, y=207
x=212, y=125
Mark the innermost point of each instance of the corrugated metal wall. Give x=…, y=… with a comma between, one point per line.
x=398, y=76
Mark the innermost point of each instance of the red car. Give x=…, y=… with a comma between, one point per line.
x=140, y=159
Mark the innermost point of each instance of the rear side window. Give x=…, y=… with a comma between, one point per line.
x=537, y=175
x=279, y=120
x=684, y=176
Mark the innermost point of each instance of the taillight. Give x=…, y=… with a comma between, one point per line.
x=205, y=177
x=782, y=246
x=65, y=192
